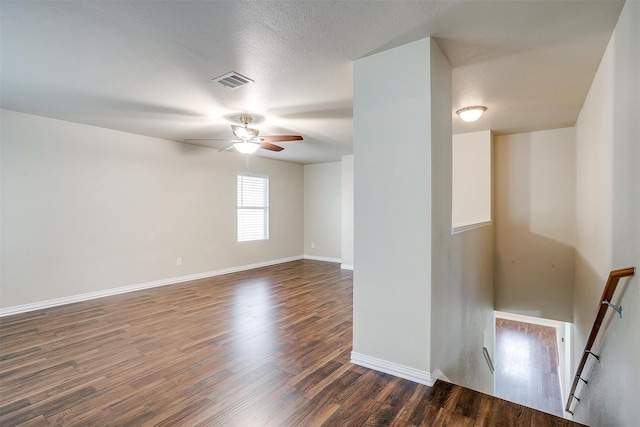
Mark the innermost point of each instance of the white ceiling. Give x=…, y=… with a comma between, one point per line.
x=146, y=67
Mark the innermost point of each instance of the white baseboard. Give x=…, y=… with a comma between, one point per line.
x=322, y=258
x=346, y=266
x=121, y=290
x=411, y=374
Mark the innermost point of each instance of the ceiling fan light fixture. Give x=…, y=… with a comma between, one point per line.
x=246, y=147
x=471, y=114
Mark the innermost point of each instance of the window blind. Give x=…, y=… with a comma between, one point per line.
x=253, y=207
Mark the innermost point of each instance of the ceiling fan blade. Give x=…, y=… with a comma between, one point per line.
x=271, y=147
x=243, y=132
x=281, y=138
x=247, y=139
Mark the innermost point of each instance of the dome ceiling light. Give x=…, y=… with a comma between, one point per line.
x=471, y=114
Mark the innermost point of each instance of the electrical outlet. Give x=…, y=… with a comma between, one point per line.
x=178, y=261
x=313, y=245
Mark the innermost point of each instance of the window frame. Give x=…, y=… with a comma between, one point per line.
x=243, y=206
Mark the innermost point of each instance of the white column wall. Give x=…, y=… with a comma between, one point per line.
x=347, y=212
x=422, y=298
x=392, y=209
x=462, y=265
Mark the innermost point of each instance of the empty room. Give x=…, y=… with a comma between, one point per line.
x=284, y=213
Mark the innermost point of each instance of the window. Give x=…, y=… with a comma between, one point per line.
x=253, y=207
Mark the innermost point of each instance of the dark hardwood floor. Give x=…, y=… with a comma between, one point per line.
x=527, y=365
x=266, y=347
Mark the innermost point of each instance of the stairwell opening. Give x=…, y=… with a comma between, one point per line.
x=531, y=361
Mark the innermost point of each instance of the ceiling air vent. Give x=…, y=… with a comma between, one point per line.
x=233, y=80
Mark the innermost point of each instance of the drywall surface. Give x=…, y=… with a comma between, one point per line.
x=422, y=298
x=347, y=211
x=471, y=178
x=534, y=212
x=322, y=211
x=392, y=207
x=86, y=209
x=608, y=228
x=462, y=311
x=462, y=265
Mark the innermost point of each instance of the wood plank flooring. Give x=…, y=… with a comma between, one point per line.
x=527, y=365
x=266, y=347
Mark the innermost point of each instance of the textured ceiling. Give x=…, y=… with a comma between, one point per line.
x=146, y=67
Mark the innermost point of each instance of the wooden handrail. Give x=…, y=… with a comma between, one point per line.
x=607, y=295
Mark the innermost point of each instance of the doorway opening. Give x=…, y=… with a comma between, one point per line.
x=531, y=357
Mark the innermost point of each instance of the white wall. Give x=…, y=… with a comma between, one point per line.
x=392, y=210
x=422, y=298
x=322, y=211
x=471, y=182
x=347, y=212
x=608, y=226
x=534, y=217
x=462, y=311
x=86, y=209
x=462, y=265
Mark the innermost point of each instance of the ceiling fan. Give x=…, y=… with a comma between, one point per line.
x=247, y=140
